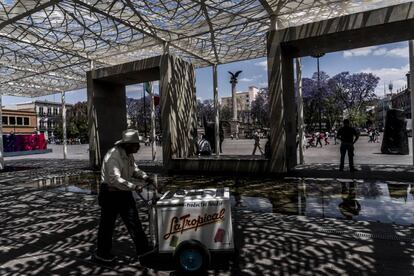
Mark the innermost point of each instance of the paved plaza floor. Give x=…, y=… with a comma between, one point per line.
x=48, y=224
x=365, y=153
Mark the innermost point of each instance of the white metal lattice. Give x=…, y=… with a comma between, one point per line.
x=46, y=46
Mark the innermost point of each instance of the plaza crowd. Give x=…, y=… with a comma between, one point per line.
x=314, y=139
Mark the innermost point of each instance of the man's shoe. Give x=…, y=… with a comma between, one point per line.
x=353, y=170
x=105, y=259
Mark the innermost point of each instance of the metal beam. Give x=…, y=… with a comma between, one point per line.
x=43, y=72
x=28, y=13
x=267, y=7
x=210, y=26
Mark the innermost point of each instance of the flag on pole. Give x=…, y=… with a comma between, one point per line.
x=148, y=87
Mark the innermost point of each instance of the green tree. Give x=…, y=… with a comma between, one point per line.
x=225, y=113
x=76, y=123
x=205, y=109
x=260, y=109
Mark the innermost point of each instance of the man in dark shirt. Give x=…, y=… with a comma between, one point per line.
x=348, y=136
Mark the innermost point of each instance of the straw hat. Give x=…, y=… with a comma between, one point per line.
x=129, y=136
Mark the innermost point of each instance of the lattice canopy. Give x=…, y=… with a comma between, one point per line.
x=47, y=45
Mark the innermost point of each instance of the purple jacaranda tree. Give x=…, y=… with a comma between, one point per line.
x=315, y=94
x=353, y=91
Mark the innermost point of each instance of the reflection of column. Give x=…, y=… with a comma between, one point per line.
x=300, y=108
x=1, y=137
x=411, y=50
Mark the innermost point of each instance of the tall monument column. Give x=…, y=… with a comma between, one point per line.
x=233, y=81
x=234, y=124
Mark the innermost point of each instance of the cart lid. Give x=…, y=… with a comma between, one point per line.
x=181, y=196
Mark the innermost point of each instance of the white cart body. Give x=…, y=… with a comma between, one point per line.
x=203, y=215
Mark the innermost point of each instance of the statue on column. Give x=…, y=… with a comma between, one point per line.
x=234, y=121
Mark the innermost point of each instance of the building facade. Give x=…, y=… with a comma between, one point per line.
x=402, y=101
x=48, y=115
x=244, y=102
x=399, y=100
x=19, y=121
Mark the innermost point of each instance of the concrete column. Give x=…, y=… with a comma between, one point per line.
x=65, y=149
x=300, y=108
x=277, y=128
x=411, y=54
x=216, y=108
x=153, y=144
x=289, y=106
x=94, y=154
x=1, y=136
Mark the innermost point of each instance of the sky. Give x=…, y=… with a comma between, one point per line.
x=389, y=62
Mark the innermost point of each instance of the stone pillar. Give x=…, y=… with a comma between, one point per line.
x=277, y=129
x=300, y=108
x=178, y=108
x=94, y=155
x=1, y=136
x=289, y=106
x=411, y=55
x=108, y=116
x=65, y=148
x=216, y=109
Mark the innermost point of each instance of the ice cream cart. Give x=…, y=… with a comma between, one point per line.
x=192, y=225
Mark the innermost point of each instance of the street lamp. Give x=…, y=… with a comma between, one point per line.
x=317, y=56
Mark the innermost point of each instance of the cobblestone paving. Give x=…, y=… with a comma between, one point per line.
x=48, y=229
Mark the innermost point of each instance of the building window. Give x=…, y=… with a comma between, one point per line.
x=42, y=124
x=41, y=110
x=12, y=120
x=55, y=111
x=26, y=121
x=49, y=111
x=49, y=124
x=5, y=120
x=19, y=121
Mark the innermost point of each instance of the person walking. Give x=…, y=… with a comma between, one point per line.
x=326, y=138
x=318, y=138
x=115, y=196
x=348, y=136
x=256, y=138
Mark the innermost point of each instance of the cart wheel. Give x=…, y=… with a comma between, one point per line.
x=191, y=258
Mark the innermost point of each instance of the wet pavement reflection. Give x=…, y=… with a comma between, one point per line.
x=380, y=201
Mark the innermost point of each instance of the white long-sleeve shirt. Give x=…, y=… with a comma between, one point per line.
x=118, y=168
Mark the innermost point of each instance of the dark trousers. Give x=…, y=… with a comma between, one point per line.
x=113, y=203
x=347, y=147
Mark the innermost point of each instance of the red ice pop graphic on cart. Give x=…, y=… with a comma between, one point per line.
x=219, y=235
